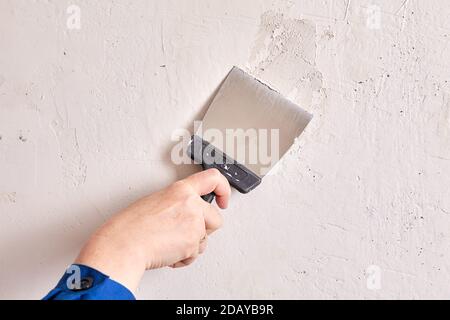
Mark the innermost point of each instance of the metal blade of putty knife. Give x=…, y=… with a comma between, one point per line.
x=246, y=120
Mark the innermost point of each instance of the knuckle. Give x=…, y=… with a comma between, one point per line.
x=192, y=237
x=198, y=232
x=181, y=187
x=215, y=173
x=218, y=218
x=191, y=248
x=203, y=246
x=190, y=203
x=219, y=221
x=186, y=253
x=192, y=214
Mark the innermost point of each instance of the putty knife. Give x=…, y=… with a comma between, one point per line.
x=247, y=128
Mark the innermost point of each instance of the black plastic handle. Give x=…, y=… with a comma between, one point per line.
x=239, y=177
x=209, y=197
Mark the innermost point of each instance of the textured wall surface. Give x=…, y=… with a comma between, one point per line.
x=86, y=117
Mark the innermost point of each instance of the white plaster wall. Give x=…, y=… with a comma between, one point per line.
x=86, y=118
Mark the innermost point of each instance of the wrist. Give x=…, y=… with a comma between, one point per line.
x=115, y=258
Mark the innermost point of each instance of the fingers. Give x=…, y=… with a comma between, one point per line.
x=201, y=248
x=203, y=183
x=183, y=263
x=213, y=219
x=208, y=181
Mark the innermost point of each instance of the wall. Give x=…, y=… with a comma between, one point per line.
x=86, y=117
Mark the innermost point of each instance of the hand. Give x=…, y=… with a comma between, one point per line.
x=167, y=228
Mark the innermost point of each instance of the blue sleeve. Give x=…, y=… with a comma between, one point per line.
x=81, y=282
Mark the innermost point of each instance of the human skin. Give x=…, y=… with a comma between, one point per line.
x=167, y=228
